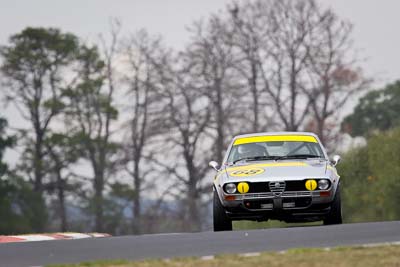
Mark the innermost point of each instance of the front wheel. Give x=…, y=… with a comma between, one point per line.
x=335, y=215
x=221, y=220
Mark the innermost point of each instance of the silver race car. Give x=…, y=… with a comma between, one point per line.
x=283, y=176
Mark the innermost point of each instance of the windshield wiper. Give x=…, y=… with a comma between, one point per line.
x=256, y=158
x=298, y=156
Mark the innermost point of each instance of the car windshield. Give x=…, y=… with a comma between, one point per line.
x=276, y=150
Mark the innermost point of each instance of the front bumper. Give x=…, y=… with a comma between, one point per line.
x=300, y=206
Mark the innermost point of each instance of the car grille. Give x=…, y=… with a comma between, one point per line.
x=271, y=195
x=262, y=187
x=277, y=188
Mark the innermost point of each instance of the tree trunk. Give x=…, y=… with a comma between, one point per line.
x=320, y=130
x=136, y=199
x=293, y=96
x=61, y=203
x=220, y=125
x=193, y=207
x=192, y=189
x=98, y=202
x=253, y=84
x=38, y=163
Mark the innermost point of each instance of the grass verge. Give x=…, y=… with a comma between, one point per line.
x=336, y=257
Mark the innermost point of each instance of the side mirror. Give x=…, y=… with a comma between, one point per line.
x=336, y=160
x=214, y=165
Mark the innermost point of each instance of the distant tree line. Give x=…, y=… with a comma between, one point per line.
x=377, y=111
x=121, y=130
x=370, y=173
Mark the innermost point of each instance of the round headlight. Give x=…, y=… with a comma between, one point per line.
x=323, y=184
x=230, y=188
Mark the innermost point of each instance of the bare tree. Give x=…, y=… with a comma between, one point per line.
x=301, y=53
x=249, y=39
x=334, y=76
x=142, y=54
x=189, y=113
x=285, y=65
x=211, y=56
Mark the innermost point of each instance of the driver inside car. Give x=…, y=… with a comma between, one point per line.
x=251, y=150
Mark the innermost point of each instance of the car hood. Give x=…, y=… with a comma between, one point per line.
x=277, y=170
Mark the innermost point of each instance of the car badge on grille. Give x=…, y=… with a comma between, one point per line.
x=277, y=188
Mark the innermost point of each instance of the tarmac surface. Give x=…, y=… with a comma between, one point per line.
x=40, y=253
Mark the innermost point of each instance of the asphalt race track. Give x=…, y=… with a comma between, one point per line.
x=194, y=244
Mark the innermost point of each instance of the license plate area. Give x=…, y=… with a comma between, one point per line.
x=259, y=204
x=282, y=203
x=296, y=203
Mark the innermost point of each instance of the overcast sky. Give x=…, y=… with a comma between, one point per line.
x=375, y=22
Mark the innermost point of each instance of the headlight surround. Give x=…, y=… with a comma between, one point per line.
x=230, y=188
x=323, y=184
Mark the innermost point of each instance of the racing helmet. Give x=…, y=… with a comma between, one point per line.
x=251, y=150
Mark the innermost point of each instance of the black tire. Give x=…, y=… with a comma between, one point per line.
x=221, y=220
x=335, y=215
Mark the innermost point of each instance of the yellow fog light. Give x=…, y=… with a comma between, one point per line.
x=311, y=185
x=243, y=187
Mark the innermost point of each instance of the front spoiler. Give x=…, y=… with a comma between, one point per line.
x=315, y=212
